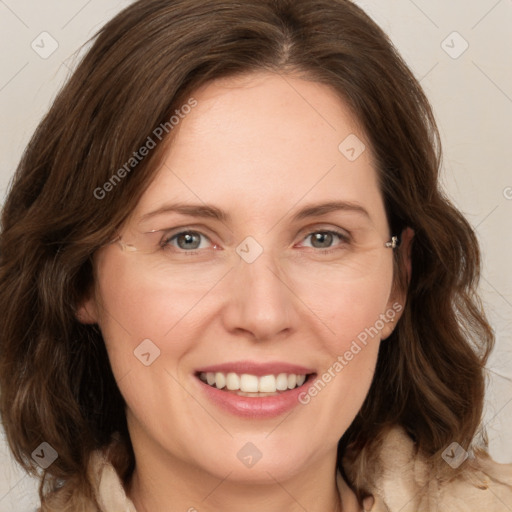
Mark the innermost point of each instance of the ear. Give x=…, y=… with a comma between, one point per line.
x=87, y=313
x=398, y=296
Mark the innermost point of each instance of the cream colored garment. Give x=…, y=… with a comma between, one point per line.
x=399, y=482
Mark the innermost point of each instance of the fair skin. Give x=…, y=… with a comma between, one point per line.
x=260, y=148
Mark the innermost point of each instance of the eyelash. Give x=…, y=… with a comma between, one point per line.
x=344, y=239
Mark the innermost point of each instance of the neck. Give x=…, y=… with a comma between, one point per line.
x=161, y=483
x=230, y=496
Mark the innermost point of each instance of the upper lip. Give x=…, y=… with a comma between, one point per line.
x=254, y=368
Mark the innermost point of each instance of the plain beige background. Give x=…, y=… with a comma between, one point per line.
x=460, y=50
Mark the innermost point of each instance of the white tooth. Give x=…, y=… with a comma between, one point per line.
x=251, y=384
x=282, y=382
x=232, y=381
x=220, y=380
x=267, y=384
x=248, y=383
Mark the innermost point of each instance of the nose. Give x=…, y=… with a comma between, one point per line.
x=262, y=303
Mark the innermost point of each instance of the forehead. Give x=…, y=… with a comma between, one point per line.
x=259, y=144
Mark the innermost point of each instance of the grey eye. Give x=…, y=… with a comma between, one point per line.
x=322, y=239
x=187, y=241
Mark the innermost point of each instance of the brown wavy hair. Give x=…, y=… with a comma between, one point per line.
x=55, y=378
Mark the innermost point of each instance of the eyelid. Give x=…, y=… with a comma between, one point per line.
x=316, y=228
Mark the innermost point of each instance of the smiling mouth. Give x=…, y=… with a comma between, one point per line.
x=252, y=385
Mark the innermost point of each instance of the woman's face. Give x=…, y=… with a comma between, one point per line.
x=255, y=259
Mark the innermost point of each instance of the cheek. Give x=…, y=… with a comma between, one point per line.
x=135, y=314
x=353, y=310
x=138, y=316
x=352, y=317
x=135, y=305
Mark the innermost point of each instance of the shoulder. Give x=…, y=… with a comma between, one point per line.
x=105, y=490
x=108, y=487
x=401, y=479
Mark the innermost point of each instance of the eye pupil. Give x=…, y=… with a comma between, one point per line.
x=189, y=241
x=322, y=240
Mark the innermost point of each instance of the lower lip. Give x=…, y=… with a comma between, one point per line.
x=255, y=407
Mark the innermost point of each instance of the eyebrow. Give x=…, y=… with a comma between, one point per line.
x=212, y=212
x=317, y=210
x=192, y=210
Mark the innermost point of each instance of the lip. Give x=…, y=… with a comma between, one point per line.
x=255, y=407
x=258, y=369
